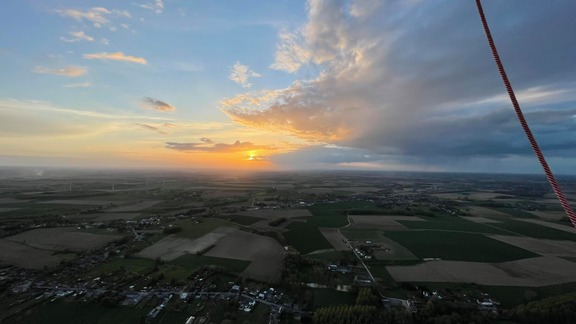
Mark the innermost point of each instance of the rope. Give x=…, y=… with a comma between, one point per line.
x=520, y=115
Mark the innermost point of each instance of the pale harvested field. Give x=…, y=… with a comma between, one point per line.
x=549, y=215
x=266, y=254
x=135, y=207
x=102, y=217
x=60, y=239
x=534, y=272
x=540, y=246
x=24, y=256
x=172, y=247
x=272, y=214
x=487, y=212
x=551, y=225
x=79, y=202
x=333, y=236
x=480, y=220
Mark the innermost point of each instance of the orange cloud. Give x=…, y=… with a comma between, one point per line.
x=207, y=145
x=116, y=56
x=68, y=71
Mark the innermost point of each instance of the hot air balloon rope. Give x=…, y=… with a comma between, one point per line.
x=520, y=115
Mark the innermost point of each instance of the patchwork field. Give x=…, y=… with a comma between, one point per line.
x=481, y=220
x=487, y=212
x=61, y=239
x=533, y=272
x=564, y=228
x=454, y=224
x=172, y=247
x=549, y=215
x=265, y=253
x=334, y=237
x=540, y=246
x=24, y=256
x=306, y=238
x=458, y=246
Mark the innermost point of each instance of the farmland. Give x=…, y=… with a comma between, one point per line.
x=292, y=232
x=62, y=239
x=469, y=247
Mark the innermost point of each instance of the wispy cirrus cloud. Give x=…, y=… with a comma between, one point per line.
x=116, y=56
x=98, y=16
x=77, y=37
x=156, y=104
x=241, y=74
x=156, y=6
x=78, y=85
x=48, y=107
x=71, y=71
x=155, y=128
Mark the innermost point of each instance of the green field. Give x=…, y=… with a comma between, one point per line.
x=458, y=246
x=334, y=256
x=378, y=270
x=192, y=262
x=452, y=223
x=334, y=215
x=192, y=230
x=535, y=230
x=374, y=235
x=306, y=238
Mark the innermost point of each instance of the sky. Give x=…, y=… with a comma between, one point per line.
x=404, y=85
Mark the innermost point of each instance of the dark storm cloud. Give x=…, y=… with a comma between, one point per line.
x=418, y=80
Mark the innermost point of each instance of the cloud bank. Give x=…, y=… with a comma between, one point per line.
x=399, y=80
